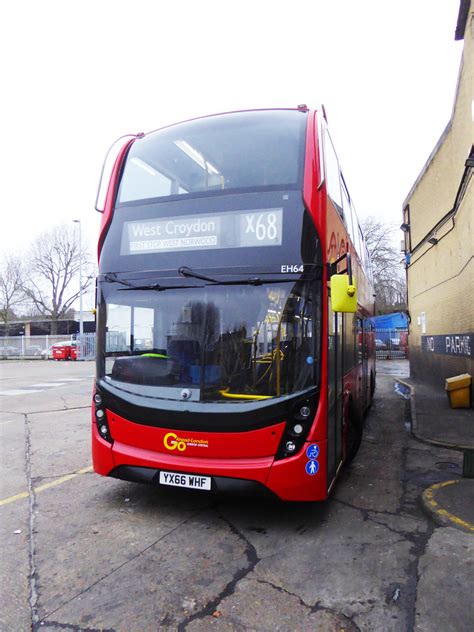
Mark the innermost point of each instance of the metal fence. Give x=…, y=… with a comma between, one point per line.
x=29, y=346
x=391, y=344
x=85, y=346
x=40, y=347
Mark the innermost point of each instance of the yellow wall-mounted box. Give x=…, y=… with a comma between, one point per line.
x=459, y=390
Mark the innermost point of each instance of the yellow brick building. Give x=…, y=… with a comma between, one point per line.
x=438, y=221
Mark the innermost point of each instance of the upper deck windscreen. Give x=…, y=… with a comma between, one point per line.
x=229, y=152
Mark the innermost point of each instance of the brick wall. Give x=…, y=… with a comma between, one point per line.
x=441, y=276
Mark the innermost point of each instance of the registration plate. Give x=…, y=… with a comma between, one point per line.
x=178, y=479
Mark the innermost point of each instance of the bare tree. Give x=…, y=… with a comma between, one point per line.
x=389, y=279
x=11, y=288
x=53, y=284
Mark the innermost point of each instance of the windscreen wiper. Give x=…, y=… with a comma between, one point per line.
x=158, y=288
x=256, y=281
x=111, y=277
x=187, y=272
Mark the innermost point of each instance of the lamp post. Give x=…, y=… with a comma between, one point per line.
x=81, y=324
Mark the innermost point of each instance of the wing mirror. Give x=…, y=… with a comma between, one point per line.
x=343, y=289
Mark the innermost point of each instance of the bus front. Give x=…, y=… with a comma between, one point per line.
x=209, y=311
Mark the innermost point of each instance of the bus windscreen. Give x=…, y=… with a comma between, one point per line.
x=218, y=343
x=238, y=151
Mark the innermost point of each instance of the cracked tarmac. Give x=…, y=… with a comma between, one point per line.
x=99, y=554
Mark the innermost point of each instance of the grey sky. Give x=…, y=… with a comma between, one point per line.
x=78, y=75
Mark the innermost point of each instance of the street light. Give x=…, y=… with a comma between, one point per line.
x=81, y=324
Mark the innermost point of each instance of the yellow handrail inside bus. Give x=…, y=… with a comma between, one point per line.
x=225, y=393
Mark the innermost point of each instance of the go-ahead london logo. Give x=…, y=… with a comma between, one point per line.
x=172, y=441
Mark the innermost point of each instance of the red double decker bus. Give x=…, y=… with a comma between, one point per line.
x=232, y=348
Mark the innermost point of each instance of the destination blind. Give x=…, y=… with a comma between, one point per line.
x=241, y=229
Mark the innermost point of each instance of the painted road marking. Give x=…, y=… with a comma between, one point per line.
x=41, y=488
x=428, y=496
x=41, y=385
x=47, y=384
x=20, y=391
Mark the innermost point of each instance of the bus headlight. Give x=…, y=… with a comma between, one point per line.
x=299, y=422
x=102, y=425
x=101, y=419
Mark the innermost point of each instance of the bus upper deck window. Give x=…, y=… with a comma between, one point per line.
x=333, y=182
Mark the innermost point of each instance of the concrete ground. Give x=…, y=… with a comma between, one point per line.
x=83, y=552
x=434, y=421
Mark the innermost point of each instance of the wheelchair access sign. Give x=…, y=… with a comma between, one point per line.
x=312, y=466
x=312, y=451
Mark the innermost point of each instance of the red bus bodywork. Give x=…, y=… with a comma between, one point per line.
x=250, y=456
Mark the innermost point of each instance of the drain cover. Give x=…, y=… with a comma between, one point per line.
x=468, y=464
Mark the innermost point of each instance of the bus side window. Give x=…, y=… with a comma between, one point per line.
x=368, y=263
x=358, y=239
x=369, y=331
x=363, y=250
x=359, y=340
x=349, y=342
x=346, y=205
x=333, y=183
